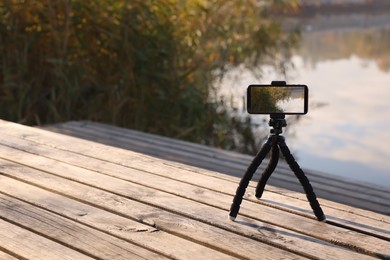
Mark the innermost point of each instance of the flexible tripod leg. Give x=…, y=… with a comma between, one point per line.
x=311, y=196
x=268, y=171
x=235, y=207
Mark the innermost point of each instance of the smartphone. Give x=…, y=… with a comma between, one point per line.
x=277, y=99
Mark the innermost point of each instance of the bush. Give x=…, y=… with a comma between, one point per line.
x=149, y=65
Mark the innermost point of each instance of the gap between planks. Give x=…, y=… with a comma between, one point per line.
x=86, y=240
x=190, y=229
x=347, y=192
x=142, y=162
x=128, y=229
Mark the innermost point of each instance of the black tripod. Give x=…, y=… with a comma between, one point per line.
x=275, y=141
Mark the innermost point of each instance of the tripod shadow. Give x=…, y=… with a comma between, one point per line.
x=274, y=234
x=332, y=220
x=284, y=206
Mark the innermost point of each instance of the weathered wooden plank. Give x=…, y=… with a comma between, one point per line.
x=337, y=189
x=341, y=217
x=5, y=256
x=122, y=135
x=219, y=239
x=181, y=189
x=296, y=201
x=125, y=228
x=76, y=145
x=69, y=233
x=189, y=208
x=28, y=245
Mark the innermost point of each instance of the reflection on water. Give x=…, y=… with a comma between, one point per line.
x=348, y=136
x=367, y=38
x=345, y=61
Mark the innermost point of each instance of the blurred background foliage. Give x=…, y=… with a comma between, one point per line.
x=149, y=65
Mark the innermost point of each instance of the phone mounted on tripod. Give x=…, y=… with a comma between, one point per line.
x=277, y=100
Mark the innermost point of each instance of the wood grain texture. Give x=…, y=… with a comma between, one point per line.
x=82, y=195
x=6, y=256
x=141, y=234
x=193, y=230
x=338, y=189
x=28, y=245
x=192, y=209
x=43, y=137
x=374, y=223
x=69, y=233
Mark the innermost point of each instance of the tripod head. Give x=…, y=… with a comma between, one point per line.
x=277, y=121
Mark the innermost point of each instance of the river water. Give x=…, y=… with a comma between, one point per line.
x=345, y=62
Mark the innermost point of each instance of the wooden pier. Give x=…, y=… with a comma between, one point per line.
x=357, y=194
x=63, y=197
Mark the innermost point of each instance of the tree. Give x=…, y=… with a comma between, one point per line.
x=143, y=64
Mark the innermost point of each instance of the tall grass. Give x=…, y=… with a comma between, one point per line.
x=144, y=64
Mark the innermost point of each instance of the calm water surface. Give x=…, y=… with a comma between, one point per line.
x=345, y=61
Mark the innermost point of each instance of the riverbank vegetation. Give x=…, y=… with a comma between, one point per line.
x=149, y=65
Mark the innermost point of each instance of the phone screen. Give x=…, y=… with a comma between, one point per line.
x=274, y=99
